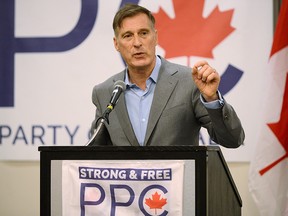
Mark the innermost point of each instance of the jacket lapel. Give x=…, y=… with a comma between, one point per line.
x=122, y=114
x=165, y=85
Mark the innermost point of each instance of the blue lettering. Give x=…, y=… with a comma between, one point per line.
x=4, y=128
x=38, y=135
x=7, y=53
x=54, y=128
x=83, y=202
x=72, y=134
x=20, y=135
x=114, y=203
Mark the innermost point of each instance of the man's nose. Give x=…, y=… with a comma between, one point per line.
x=137, y=41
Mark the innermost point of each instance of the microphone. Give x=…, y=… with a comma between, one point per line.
x=119, y=87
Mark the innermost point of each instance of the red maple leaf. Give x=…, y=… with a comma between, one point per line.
x=280, y=129
x=189, y=34
x=156, y=202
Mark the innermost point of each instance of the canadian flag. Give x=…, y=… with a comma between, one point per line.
x=268, y=177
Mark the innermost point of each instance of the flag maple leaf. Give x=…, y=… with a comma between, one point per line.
x=190, y=34
x=280, y=130
x=156, y=202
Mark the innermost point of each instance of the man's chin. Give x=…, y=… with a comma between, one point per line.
x=140, y=63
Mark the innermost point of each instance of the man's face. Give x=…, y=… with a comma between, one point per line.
x=136, y=41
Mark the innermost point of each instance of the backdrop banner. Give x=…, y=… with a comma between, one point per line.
x=53, y=52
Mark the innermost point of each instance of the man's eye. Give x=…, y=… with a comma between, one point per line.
x=127, y=36
x=143, y=33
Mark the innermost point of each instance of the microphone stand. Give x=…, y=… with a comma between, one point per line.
x=96, y=132
x=100, y=125
x=119, y=87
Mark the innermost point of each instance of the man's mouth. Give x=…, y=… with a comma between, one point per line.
x=139, y=54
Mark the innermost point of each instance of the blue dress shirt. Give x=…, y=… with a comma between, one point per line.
x=139, y=102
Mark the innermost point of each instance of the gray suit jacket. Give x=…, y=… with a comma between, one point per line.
x=176, y=115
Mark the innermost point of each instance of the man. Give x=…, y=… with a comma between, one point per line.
x=164, y=103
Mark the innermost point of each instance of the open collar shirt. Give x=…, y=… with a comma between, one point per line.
x=139, y=102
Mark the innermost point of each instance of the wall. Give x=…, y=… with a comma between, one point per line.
x=20, y=188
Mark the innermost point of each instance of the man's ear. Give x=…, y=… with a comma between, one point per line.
x=156, y=39
x=116, y=44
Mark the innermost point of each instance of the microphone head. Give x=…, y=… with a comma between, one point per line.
x=121, y=84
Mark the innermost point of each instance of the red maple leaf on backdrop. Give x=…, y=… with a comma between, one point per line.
x=190, y=34
x=156, y=202
x=280, y=129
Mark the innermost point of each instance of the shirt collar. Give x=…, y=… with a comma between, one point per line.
x=153, y=76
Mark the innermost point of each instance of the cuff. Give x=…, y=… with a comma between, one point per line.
x=213, y=104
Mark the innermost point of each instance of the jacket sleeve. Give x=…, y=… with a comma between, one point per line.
x=225, y=127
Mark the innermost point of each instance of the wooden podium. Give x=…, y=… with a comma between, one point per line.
x=215, y=190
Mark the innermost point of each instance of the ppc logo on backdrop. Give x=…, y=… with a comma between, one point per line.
x=189, y=34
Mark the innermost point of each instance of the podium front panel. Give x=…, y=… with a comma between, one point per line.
x=195, y=160
x=188, y=184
